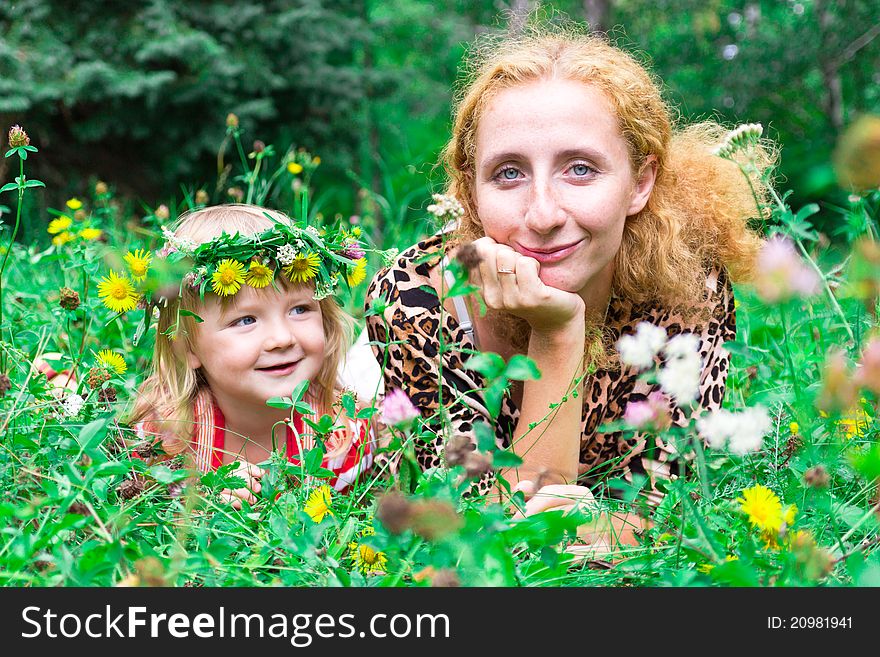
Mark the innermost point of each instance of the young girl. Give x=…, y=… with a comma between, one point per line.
x=262, y=290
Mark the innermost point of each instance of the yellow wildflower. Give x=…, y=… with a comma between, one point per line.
x=63, y=238
x=74, y=203
x=294, y=168
x=795, y=428
x=316, y=160
x=138, y=263
x=112, y=361
x=358, y=273
x=117, y=293
x=303, y=268
x=367, y=559
x=706, y=568
x=319, y=502
x=59, y=225
x=228, y=278
x=259, y=275
x=91, y=233
x=763, y=508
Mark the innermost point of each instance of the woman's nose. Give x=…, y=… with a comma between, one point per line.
x=544, y=214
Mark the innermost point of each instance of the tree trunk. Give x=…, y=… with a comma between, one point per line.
x=597, y=14
x=830, y=66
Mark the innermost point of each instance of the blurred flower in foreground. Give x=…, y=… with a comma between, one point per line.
x=743, y=432
x=868, y=371
x=838, y=391
x=651, y=414
x=782, y=273
x=680, y=376
x=74, y=204
x=59, y=225
x=73, y=404
x=91, y=233
x=397, y=409
x=857, y=156
x=638, y=350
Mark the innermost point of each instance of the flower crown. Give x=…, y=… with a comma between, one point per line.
x=225, y=264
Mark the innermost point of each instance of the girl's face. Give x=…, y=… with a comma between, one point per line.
x=259, y=346
x=553, y=180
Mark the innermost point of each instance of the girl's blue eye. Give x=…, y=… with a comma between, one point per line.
x=299, y=310
x=247, y=320
x=580, y=169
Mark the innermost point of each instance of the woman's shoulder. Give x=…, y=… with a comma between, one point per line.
x=405, y=285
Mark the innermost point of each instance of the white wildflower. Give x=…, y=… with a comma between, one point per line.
x=742, y=137
x=286, y=254
x=181, y=244
x=743, y=432
x=639, y=350
x=680, y=376
x=73, y=404
x=715, y=427
x=311, y=230
x=445, y=207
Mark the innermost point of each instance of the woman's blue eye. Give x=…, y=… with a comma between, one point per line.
x=245, y=321
x=580, y=169
x=509, y=174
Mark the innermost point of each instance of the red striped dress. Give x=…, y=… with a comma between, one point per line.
x=209, y=438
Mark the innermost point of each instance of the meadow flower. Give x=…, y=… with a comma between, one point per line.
x=763, y=508
x=74, y=204
x=742, y=137
x=18, y=137
x=101, y=188
x=868, y=370
x=817, y=477
x=228, y=278
x=138, y=263
x=72, y=404
x=259, y=275
x=162, y=212
x=358, y=272
x=117, y=293
x=351, y=248
x=202, y=197
x=286, y=254
x=59, y=225
x=838, y=391
x=397, y=409
x=112, y=361
x=651, y=413
x=680, y=376
x=743, y=432
x=639, y=350
x=857, y=156
x=782, y=273
x=63, y=238
x=91, y=234
x=303, y=268
x=366, y=559
x=69, y=299
x=231, y=120
x=445, y=207
x=294, y=168
x=319, y=503
x=393, y=511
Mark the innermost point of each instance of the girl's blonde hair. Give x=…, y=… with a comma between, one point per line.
x=698, y=212
x=167, y=395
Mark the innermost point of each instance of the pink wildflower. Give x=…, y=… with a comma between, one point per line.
x=782, y=273
x=651, y=414
x=868, y=372
x=397, y=409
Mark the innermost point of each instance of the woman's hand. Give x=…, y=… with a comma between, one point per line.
x=251, y=474
x=510, y=281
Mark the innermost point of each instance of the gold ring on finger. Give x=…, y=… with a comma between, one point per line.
x=504, y=270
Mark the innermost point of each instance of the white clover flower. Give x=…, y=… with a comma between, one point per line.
x=742, y=432
x=286, y=254
x=311, y=230
x=445, y=207
x=744, y=136
x=639, y=350
x=680, y=376
x=72, y=404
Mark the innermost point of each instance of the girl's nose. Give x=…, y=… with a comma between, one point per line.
x=544, y=213
x=279, y=335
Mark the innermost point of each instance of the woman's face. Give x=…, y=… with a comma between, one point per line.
x=554, y=181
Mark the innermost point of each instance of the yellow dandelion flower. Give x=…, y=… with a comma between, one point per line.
x=259, y=275
x=854, y=424
x=59, y=225
x=138, y=263
x=228, y=278
x=91, y=233
x=303, y=268
x=63, y=238
x=117, y=293
x=795, y=428
x=112, y=361
x=358, y=273
x=294, y=168
x=368, y=560
x=74, y=203
x=316, y=160
x=763, y=508
x=319, y=502
x=356, y=231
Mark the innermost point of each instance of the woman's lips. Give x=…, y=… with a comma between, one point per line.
x=281, y=369
x=550, y=255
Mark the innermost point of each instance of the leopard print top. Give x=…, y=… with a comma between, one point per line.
x=405, y=341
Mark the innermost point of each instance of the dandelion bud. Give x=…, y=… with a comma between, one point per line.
x=5, y=385
x=231, y=120
x=18, y=137
x=80, y=215
x=394, y=512
x=816, y=477
x=162, y=212
x=101, y=188
x=812, y=561
x=259, y=146
x=97, y=376
x=69, y=299
x=201, y=197
x=236, y=193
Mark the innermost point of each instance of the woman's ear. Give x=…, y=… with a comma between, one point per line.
x=644, y=185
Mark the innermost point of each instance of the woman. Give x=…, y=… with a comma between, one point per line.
x=589, y=214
